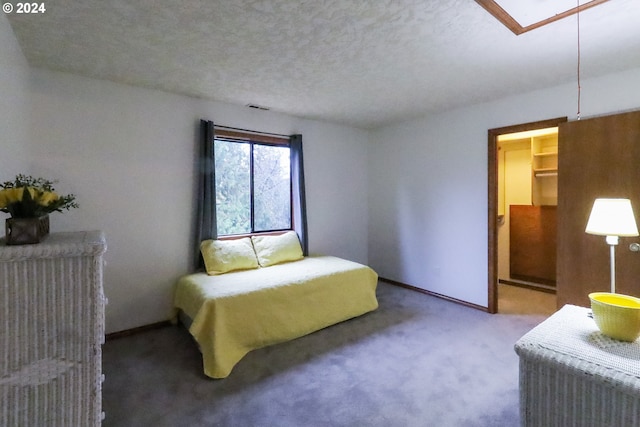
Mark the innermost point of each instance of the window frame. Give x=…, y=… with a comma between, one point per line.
x=258, y=138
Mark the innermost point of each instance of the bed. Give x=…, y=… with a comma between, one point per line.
x=233, y=312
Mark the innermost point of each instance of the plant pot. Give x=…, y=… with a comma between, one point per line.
x=25, y=231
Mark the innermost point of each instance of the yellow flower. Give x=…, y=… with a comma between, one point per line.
x=10, y=195
x=47, y=197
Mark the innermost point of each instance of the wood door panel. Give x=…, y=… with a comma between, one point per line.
x=532, y=248
x=597, y=157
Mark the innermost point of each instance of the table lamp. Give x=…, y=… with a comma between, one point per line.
x=612, y=218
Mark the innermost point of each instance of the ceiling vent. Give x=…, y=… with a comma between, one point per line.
x=258, y=107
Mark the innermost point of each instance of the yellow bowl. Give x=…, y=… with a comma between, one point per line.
x=617, y=315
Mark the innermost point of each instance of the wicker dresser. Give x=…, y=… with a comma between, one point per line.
x=52, y=331
x=572, y=375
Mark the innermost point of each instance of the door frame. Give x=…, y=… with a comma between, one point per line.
x=492, y=218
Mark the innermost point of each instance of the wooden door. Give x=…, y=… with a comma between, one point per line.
x=597, y=157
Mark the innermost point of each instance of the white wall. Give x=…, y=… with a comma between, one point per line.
x=128, y=155
x=14, y=106
x=428, y=183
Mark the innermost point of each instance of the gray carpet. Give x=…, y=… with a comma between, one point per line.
x=416, y=361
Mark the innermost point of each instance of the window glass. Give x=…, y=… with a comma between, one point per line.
x=272, y=187
x=233, y=187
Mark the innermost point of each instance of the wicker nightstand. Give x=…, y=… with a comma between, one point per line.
x=572, y=375
x=51, y=331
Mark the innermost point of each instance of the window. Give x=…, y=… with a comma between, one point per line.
x=252, y=182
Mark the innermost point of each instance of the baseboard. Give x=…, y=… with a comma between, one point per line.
x=434, y=294
x=139, y=329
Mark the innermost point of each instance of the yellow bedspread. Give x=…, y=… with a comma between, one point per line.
x=237, y=312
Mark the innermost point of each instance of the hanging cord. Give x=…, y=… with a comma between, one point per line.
x=578, y=18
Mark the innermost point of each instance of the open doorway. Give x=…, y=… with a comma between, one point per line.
x=522, y=193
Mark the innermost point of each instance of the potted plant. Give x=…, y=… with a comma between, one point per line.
x=29, y=201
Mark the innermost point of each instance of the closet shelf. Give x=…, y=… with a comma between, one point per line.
x=546, y=154
x=543, y=172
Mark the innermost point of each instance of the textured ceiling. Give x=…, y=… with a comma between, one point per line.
x=358, y=62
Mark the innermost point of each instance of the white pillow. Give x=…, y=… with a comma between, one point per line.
x=222, y=256
x=277, y=249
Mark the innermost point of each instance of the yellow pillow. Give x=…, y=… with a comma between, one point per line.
x=222, y=256
x=276, y=249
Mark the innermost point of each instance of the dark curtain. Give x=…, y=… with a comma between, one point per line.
x=206, y=226
x=299, y=198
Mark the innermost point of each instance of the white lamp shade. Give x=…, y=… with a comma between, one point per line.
x=612, y=217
